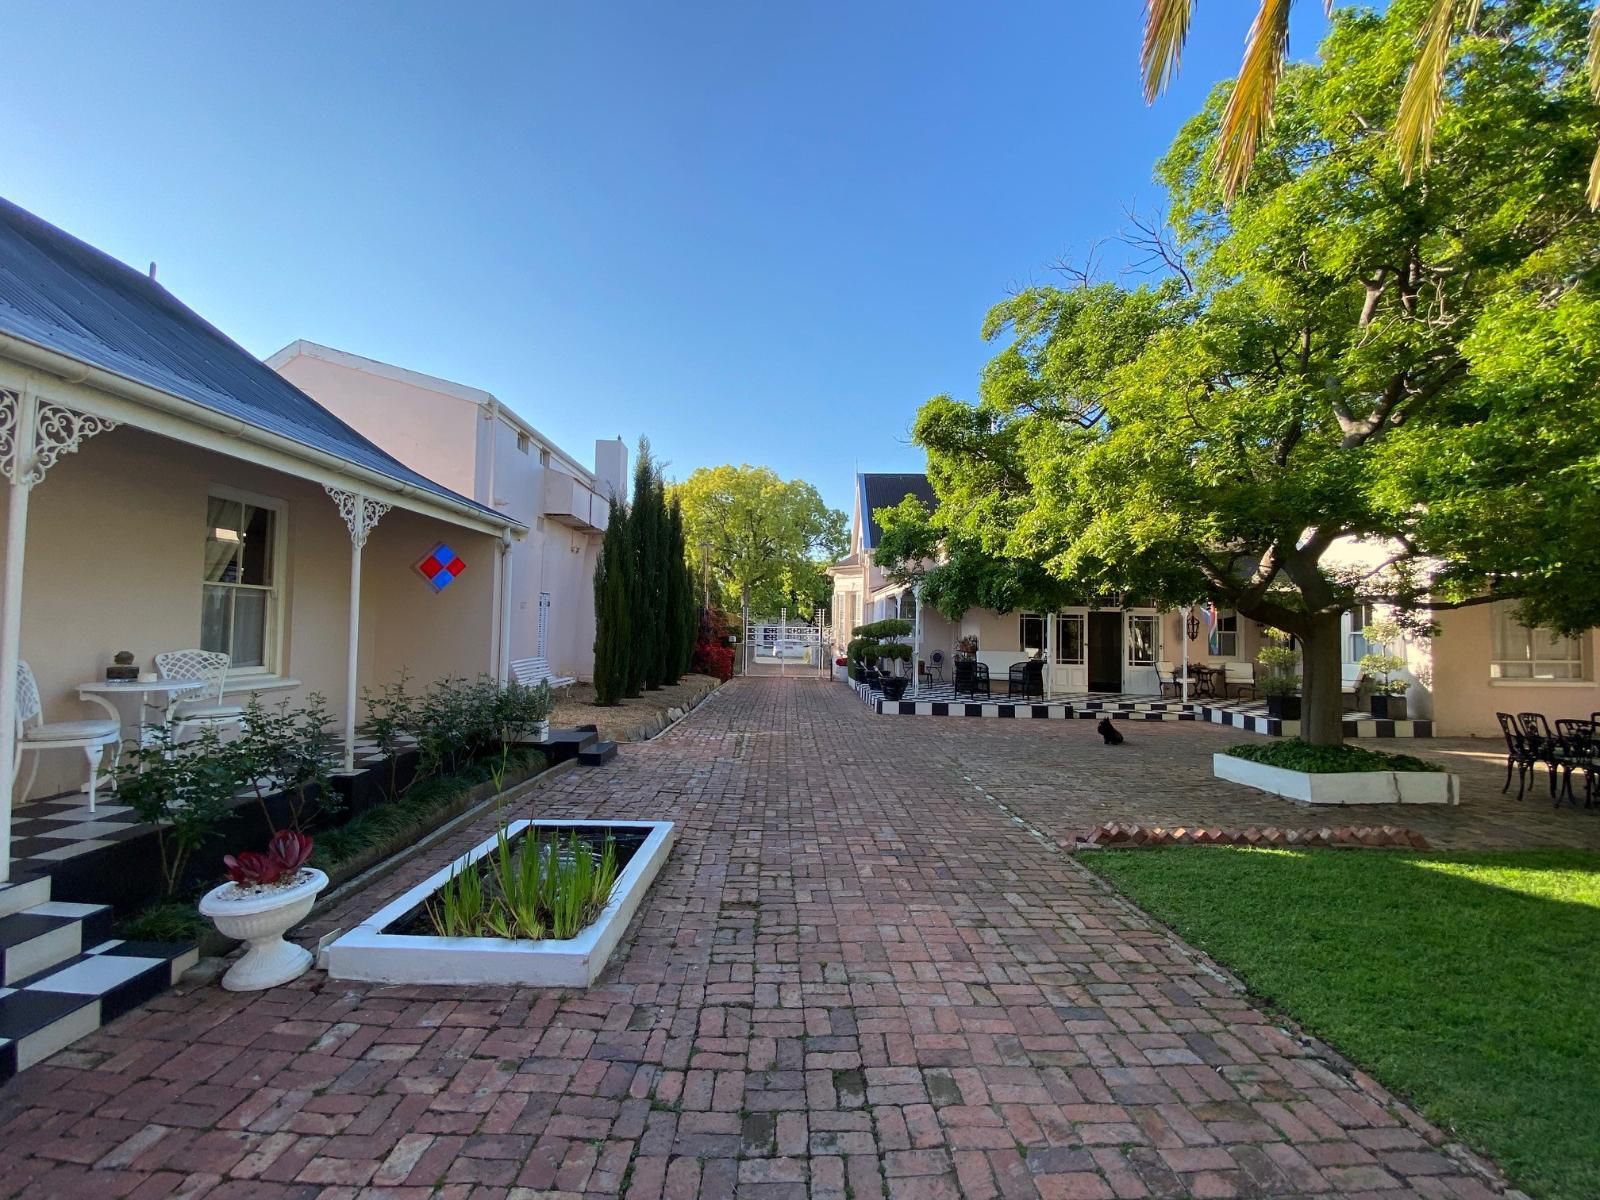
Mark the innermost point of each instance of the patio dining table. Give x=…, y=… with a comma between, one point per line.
x=1205, y=679
x=167, y=692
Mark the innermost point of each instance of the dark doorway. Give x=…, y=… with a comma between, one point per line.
x=1105, y=652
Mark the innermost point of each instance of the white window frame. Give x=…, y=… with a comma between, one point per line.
x=1154, y=639
x=1216, y=646
x=1506, y=634
x=1356, y=645
x=272, y=650
x=1022, y=642
x=1082, y=620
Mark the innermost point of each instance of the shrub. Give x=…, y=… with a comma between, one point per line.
x=185, y=789
x=1294, y=755
x=1381, y=662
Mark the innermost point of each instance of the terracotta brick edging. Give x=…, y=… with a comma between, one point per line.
x=1114, y=834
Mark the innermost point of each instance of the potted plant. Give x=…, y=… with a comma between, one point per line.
x=867, y=650
x=1380, y=665
x=1280, y=682
x=266, y=895
x=967, y=646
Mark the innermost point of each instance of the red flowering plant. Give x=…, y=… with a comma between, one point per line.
x=286, y=853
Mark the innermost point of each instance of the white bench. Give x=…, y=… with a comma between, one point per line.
x=531, y=672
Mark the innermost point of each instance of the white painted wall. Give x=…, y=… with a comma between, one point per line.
x=464, y=438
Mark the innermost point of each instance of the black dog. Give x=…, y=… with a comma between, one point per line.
x=1110, y=732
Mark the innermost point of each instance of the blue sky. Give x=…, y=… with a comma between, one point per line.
x=754, y=232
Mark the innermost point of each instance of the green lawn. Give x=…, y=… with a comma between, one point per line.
x=1468, y=983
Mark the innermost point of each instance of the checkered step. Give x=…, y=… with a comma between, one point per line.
x=49, y=1010
x=62, y=974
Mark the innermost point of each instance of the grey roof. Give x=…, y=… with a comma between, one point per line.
x=885, y=491
x=64, y=295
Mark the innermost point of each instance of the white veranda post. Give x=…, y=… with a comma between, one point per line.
x=361, y=514
x=1183, y=636
x=34, y=434
x=1049, y=653
x=916, y=641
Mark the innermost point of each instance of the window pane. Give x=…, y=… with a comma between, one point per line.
x=1032, y=631
x=1069, y=639
x=1141, y=640
x=215, y=628
x=257, y=556
x=249, y=628
x=224, y=537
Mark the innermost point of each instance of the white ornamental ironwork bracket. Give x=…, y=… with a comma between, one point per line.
x=56, y=431
x=361, y=513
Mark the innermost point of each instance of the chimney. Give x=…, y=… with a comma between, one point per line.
x=611, y=468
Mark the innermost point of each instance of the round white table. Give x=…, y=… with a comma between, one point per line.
x=105, y=692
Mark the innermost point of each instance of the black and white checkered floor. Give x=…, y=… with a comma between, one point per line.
x=940, y=700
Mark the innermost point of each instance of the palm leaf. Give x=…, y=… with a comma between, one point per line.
x=1249, y=112
x=1166, y=28
x=1423, y=98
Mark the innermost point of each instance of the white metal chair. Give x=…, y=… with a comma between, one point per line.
x=35, y=735
x=207, y=709
x=1240, y=675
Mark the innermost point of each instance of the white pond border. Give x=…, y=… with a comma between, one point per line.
x=367, y=953
x=1343, y=787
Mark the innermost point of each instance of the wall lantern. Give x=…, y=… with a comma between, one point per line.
x=1192, y=626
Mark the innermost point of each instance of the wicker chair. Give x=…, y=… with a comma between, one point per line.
x=971, y=677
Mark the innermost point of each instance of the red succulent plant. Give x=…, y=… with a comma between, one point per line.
x=286, y=853
x=252, y=867
x=291, y=849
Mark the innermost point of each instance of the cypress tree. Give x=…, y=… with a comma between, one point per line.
x=613, y=609
x=666, y=644
x=677, y=598
x=642, y=531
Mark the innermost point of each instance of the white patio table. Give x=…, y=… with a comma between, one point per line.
x=105, y=692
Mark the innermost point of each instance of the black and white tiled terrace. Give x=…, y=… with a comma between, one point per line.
x=940, y=700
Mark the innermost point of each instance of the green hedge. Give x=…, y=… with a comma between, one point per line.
x=892, y=628
x=1295, y=755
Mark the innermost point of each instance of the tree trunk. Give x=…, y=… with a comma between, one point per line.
x=1322, y=709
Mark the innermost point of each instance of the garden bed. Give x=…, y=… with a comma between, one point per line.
x=636, y=719
x=395, y=944
x=1336, y=774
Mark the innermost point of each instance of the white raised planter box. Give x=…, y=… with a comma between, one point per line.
x=1341, y=787
x=368, y=953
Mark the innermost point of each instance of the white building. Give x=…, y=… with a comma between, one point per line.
x=467, y=440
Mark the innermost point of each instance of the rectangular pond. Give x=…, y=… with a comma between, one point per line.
x=395, y=944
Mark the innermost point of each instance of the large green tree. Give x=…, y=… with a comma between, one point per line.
x=1340, y=354
x=764, y=537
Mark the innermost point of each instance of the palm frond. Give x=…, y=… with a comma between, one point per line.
x=1594, y=90
x=1593, y=60
x=1249, y=112
x=1423, y=98
x=1166, y=28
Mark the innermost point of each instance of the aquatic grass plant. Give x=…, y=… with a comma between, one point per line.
x=538, y=888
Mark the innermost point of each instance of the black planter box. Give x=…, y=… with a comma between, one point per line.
x=895, y=687
x=375, y=784
x=1285, y=708
x=1389, y=708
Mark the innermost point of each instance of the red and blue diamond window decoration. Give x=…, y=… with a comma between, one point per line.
x=441, y=567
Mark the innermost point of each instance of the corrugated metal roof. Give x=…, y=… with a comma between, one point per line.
x=885, y=491
x=66, y=296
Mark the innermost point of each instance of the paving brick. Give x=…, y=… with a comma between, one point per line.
x=856, y=976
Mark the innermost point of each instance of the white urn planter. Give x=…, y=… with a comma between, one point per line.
x=541, y=731
x=259, y=917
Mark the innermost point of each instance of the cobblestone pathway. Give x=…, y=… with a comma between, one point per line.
x=857, y=977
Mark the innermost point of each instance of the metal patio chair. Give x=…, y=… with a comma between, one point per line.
x=207, y=710
x=36, y=735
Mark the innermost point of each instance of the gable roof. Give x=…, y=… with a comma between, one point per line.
x=63, y=295
x=885, y=491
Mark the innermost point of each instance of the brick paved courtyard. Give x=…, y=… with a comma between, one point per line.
x=858, y=976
